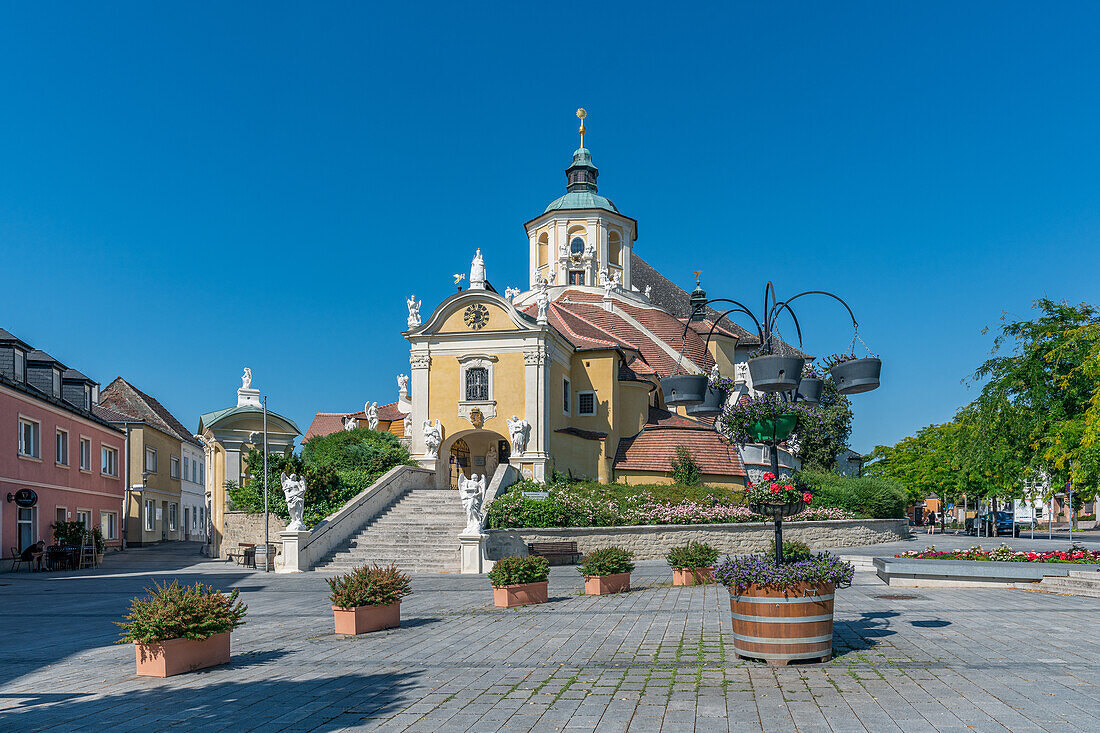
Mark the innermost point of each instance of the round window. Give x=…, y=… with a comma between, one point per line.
x=577, y=246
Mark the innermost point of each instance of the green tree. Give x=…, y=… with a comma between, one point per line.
x=926, y=464
x=819, y=447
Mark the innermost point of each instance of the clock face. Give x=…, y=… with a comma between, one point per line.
x=477, y=316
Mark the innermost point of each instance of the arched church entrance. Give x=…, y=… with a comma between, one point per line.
x=471, y=452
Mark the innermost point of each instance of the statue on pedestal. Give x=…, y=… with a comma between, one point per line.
x=403, y=385
x=414, y=311
x=246, y=379
x=472, y=493
x=294, y=489
x=518, y=430
x=433, y=436
x=477, y=272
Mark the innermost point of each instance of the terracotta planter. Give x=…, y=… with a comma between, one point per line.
x=363, y=619
x=600, y=585
x=176, y=656
x=780, y=626
x=523, y=594
x=692, y=576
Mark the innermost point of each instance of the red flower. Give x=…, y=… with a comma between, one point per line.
x=788, y=487
x=775, y=488
x=769, y=476
x=807, y=496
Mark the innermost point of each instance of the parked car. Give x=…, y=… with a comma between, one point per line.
x=1004, y=525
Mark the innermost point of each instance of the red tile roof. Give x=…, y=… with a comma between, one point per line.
x=127, y=400
x=655, y=447
x=327, y=423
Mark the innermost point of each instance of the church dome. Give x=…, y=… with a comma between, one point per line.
x=581, y=190
x=581, y=200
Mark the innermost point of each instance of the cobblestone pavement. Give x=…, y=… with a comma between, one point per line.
x=656, y=658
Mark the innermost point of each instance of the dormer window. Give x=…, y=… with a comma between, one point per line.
x=56, y=382
x=88, y=397
x=576, y=247
x=20, y=366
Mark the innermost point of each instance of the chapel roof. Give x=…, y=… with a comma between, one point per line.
x=655, y=446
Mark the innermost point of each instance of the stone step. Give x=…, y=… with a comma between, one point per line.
x=1075, y=586
x=862, y=563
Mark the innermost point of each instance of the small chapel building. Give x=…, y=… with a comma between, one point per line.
x=565, y=376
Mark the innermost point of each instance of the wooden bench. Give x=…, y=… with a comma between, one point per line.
x=556, y=553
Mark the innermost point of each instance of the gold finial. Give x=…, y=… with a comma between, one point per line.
x=581, y=114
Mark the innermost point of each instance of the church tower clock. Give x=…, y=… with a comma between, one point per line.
x=581, y=238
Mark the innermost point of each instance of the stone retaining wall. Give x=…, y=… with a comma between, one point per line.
x=652, y=542
x=249, y=527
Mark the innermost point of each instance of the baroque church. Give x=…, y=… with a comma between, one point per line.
x=564, y=377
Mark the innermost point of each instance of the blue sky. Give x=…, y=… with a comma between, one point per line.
x=188, y=190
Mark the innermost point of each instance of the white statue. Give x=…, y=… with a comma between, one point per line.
x=563, y=250
x=350, y=423
x=741, y=372
x=608, y=283
x=543, y=301
x=590, y=250
x=648, y=290
x=433, y=436
x=511, y=293
x=294, y=489
x=477, y=272
x=472, y=493
x=370, y=409
x=403, y=384
x=715, y=375
x=246, y=379
x=408, y=425
x=414, y=311
x=518, y=429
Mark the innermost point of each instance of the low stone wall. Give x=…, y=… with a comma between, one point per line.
x=652, y=542
x=249, y=527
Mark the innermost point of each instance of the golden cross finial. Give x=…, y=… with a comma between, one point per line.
x=581, y=114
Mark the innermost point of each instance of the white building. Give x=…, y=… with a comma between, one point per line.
x=193, y=494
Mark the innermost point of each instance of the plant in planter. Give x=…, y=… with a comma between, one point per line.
x=793, y=551
x=520, y=581
x=772, y=372
x=852, y=374
x=772, y=493
x=764, y=418
x=692, y=564
x=607, y=571
x=809, y=389
x=368, y=598
x=181, y=628
x=783, y=611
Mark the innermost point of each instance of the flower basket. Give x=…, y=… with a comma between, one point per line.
x=684, y=389
x=779, y=510
x=777, y=428
x=176, y=656
x=780, y=625
x=523, y=594
x=712, y=403
x=856, y=375
x=364, y=619
x=773, y=373
x=809, y=390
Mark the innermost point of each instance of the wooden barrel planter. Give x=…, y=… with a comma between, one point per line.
x=781, y=626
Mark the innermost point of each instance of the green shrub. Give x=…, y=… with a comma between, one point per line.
x=692, y=555
x=371, y=585
x=877, y=498
x=685, y=471
x=514, y=570
x=608, y=561
x=181, y=612
x=72, y=533
x=793, y=550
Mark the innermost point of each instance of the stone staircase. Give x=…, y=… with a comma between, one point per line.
x=418, y=531
x=862, y=563
x=1077, y=583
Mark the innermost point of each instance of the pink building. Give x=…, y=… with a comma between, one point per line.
x=59, y=459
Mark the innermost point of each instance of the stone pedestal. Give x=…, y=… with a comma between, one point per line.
x=247, y=397
x=295, y=557
x=472, y=557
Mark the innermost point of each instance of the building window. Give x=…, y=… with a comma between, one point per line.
x=61, y=448
x=576, y=247
x=27, y=532
x=586, y=403
x=565, y=396
x=150, y=515
x=20, y=366
x=174, y=466
x=60, y=514
x=202, y=474
x=28, y=438
x=477, y=384
x=173, y=513
x=186, y=468
x=56, y=382
x=151, y=460
x=108, y=525
x=108, y=458
x=84, y=517
x=85, y=454
x=87, y=398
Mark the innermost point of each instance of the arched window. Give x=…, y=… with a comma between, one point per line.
x=576, y=247
x=477, y=384
x=614, y=249
x=544, y=243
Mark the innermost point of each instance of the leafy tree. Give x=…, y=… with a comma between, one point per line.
x=926, y=464
x=818, y=448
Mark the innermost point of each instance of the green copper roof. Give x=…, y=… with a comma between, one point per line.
x=210, y=419
x=581, y=200
x=581, y=156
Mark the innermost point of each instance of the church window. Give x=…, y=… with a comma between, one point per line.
x=543, y=246
x=477, y=384
x=586, y=403
x=565, y=396
x=576, y=247
x=614, y=249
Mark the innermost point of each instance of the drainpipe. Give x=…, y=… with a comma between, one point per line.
x=126, y=493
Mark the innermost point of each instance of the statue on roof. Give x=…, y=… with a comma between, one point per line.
x=403, y=385
x=414, y=311
x=511, y=293
x=477, y=272
x=246, y=379
x=370, y=409
x=543, y=302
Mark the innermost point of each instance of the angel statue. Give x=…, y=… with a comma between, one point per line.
x=294, y=489
x=414, y=311
x=350, y=423
x=518, y=429
x=433, y=436
x=543, y=302
x=472, y=493
x=403, y=384
x=371, y=411
x=246, y=379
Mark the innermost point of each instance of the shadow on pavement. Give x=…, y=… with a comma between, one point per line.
x=215, y=703
x=861, y=633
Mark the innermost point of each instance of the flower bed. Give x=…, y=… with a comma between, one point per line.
x=1004, y=553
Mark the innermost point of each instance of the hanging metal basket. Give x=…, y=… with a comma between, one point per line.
x=809, y=390
x=856, y=375
x=779, y=510
x=712, y=404
x=684, y=389
x=772, y=373
x=773, y=429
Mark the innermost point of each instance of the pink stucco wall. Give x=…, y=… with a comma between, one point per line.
x=57, y=486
